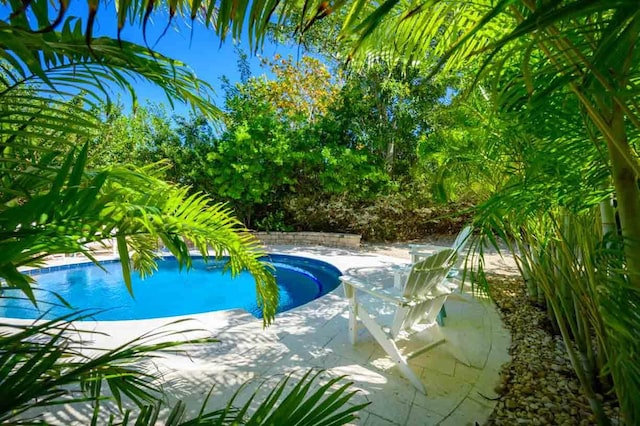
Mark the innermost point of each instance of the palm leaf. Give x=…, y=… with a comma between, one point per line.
x=141, y=209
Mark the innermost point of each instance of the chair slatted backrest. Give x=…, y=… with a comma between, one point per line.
x=424, y=276
x=461, y=243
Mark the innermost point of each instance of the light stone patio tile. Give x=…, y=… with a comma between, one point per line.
x=419, y=416
x=260, y=356
x=497, y=358
x=374, y=420
x=360, y=352
x=361, y=420
x=468, y=413
x=437, y=359
x=387, y=407
x=486, y=403
x=499, y=352
x=469, y=336
x=305, y=346
x=500, y=332
x=466, y=374
x=444, y=392
x=390, y=395
x=315, y=336
x=293, y=363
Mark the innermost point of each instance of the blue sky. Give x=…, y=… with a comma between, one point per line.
x=196, y=46
x=201, y=51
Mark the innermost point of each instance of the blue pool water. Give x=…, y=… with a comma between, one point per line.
x=169, y=291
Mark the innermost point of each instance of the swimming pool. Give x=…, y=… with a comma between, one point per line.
x=169, y=291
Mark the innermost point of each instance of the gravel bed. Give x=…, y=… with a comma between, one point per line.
x=538, y=387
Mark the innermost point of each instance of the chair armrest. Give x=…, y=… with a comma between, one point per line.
x=441, y=290
x=359, y=285
x=420, y=247
x=422, y=251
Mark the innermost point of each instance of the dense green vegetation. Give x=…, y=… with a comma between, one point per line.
x=312, y=149
x=522, y=115
x=54, y=87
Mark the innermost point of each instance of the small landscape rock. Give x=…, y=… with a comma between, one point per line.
x=538, y=386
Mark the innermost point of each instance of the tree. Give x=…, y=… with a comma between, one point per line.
x=150, y=135
x=535, y=57
x=301, y=90
x=52, y=203
x=578, y=50
x=41, y=62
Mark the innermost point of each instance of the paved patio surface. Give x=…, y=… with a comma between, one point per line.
x=315, y=336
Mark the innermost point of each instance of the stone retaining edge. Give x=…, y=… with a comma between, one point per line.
x=309, y=238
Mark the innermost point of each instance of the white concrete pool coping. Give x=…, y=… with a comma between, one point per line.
x=315, y=336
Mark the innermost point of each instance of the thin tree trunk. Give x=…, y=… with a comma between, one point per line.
x=391, y=153
x=608, y=217
x=628, y=196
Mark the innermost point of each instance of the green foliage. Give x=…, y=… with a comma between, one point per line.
x=54, y=207
x=150, y=135
x=567, y=70
x=299, y=405
x=576, y=272
x=251, y=163
x=384, y=111
x=48, y=364
x=303, y=135
x=534, y=57
x=464, y=156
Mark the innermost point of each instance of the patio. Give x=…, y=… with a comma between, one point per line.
x=315, y=336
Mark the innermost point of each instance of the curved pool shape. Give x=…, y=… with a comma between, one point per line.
x=169, y=291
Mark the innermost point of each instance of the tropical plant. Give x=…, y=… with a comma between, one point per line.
x=530, y=53
x=53, y=79
x=47, y=364
x=52, y=206
x=546, y=208
x=151, y=135
x=548, y=61
x=559, y=65
x=576, y=273
x=580, y=51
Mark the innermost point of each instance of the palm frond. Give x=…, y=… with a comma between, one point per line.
x=66, y=66
x=39, y=362
x=71, y=207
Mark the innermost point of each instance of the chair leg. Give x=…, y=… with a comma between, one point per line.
x=350, y=293
x=441, y=316
x=353, y=322
x=391, y=349
x=411, y=376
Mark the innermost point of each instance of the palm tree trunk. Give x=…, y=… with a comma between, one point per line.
x=627, y=193
x=607, y=217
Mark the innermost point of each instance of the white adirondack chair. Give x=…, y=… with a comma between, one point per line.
x=418, y=251
x=416, y=308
